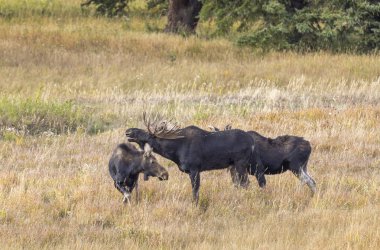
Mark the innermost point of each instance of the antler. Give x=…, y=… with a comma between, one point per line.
x=147, y=123
x=162, y=129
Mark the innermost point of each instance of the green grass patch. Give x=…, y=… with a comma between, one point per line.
x=11, y=9
x=34, y=116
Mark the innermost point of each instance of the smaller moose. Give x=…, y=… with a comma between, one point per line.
x=278, y=155
x=127, y=163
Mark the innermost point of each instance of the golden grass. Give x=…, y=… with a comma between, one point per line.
x=55, y=191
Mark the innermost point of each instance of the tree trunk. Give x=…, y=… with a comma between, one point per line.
x=183, y=15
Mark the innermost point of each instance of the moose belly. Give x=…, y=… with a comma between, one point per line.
x=216, y=163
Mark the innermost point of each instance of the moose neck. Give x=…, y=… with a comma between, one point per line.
x=166, y=147
x=137, y=167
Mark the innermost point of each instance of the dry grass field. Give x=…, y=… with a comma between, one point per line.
x=71, y=84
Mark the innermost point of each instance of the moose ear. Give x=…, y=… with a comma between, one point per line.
x=147, y=150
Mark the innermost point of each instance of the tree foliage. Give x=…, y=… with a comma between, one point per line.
x=303, y=25
x=109, y=8
x=157, y=7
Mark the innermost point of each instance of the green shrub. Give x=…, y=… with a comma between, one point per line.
x=35, y=116
x=109, y=8
x=301, y=25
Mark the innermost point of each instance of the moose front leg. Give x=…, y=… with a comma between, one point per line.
x=260, y=175
x=234, y=176
x=195, y=183
x=239, y=175
x=259, y=170
x=137, y=191
x=126, y=194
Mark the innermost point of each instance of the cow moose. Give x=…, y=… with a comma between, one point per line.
x=195, y=150
x=127, y=162
x=278, y=155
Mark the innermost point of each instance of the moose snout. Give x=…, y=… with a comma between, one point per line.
x=128, y=134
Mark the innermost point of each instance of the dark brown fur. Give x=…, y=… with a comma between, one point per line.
x=195, y=150
x=275, y=156
x=127, y=163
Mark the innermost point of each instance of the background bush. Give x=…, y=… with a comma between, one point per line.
x=302, y=25
x=34, y=116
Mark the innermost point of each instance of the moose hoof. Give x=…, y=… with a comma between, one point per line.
x=126, y=198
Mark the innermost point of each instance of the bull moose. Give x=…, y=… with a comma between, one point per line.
x=127, y=162
x=195, y=150
x=278, y=155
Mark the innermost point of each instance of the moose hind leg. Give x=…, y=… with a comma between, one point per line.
x=304, y=177
x=195, y=183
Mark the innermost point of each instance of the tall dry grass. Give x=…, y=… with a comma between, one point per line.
x=55, y=191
